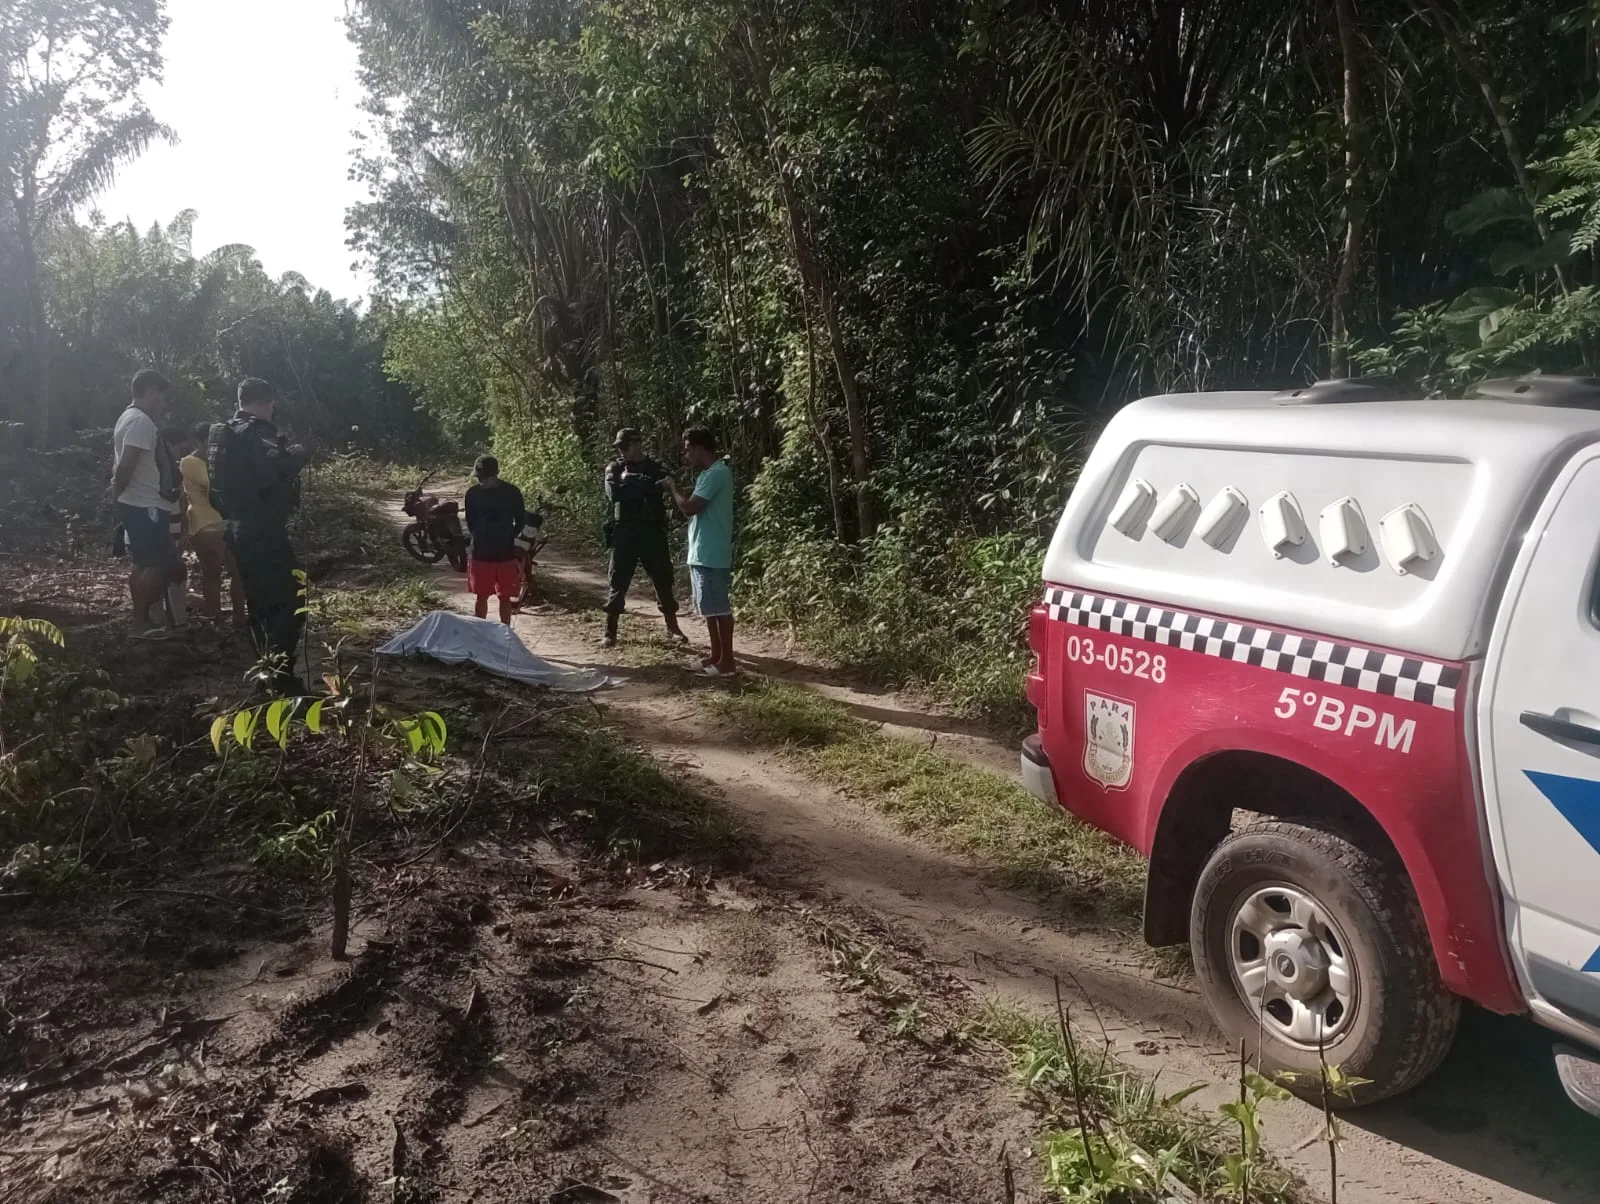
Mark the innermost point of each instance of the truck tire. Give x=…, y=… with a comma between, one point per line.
x=1297, y=931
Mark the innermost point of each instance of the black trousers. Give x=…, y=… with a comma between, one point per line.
x=634, y=547
x=267, y=567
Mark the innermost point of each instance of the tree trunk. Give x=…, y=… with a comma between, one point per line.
x=814, y=277
x=854, y=412
x=819, y=424
x=339, y=936
x=1354, y=203
x=39, y=336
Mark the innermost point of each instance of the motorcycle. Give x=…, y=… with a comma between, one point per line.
x=530, y=542
x=434, y=532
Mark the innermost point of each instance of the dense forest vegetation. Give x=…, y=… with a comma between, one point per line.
x=905, y=257
x=85, y=303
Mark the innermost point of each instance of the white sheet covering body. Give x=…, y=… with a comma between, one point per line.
x=456, y=639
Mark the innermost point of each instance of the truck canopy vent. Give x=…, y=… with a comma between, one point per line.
x=1332, y=392
x=1567, y=392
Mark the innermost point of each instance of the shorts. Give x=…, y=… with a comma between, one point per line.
x=487, y=578
x=149, y=533
x=711, y=588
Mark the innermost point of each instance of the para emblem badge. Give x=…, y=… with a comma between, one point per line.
x=1108, y=740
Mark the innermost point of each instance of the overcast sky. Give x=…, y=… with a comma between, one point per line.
x=260, y=90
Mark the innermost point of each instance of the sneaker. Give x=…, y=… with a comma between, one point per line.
x=155, y=634
x=713, y=671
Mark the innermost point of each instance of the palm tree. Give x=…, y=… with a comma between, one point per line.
x=36, y=200
x=69, y=119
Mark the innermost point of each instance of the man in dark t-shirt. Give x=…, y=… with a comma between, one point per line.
x=638, y=531
x=494, y=519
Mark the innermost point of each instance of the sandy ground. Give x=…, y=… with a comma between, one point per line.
x=535, y=1009
x=527, y=1018
x=1491, y=1128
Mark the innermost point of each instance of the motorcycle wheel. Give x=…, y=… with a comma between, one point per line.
x=457, y=552
x=415, y=541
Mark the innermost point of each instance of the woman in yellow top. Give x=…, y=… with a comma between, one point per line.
x=204, y=528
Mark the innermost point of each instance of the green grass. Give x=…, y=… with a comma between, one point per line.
x=342, y=516
x=1138, y=1130
x=656, y=652
x=348, y=530
x=957, y=806
x=366, y=612
x=626, y=803
x=357, y=473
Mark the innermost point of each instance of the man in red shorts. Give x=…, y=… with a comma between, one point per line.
x=495, y=516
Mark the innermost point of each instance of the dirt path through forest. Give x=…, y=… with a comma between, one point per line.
x=1491, y=1128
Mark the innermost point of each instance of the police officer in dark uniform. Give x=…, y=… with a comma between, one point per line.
x=638, y=531
x=255, y=486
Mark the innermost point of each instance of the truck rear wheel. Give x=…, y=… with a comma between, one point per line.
x=1303, y=940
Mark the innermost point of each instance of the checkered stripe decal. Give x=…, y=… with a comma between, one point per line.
x=1389, y=673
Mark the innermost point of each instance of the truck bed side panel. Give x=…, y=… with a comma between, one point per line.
x=1134, y=694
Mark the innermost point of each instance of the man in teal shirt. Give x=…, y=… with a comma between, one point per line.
x=710, y=511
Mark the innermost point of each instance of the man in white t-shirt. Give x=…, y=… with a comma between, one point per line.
x=146, y=499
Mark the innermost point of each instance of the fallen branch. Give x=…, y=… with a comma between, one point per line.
x=199, y=895
x=475, y=1004
x=125, y=1059
x=193, y=894
x=333, y=1095
x=397, y=1155
x=484, y=1115
x=633, y=961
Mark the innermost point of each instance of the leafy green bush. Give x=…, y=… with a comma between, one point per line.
x=548, y=463
x=914, y=606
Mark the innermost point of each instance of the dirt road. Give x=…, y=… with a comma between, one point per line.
x=1491, y=1128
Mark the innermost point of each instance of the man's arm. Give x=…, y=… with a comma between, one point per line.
x=690, y=504
x=122, y=475
x=288, y=461
x=625, y=485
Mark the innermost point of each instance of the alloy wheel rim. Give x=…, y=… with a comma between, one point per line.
x=1291, y=965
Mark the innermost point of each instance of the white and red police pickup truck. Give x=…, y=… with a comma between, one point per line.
x=1331, y=661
